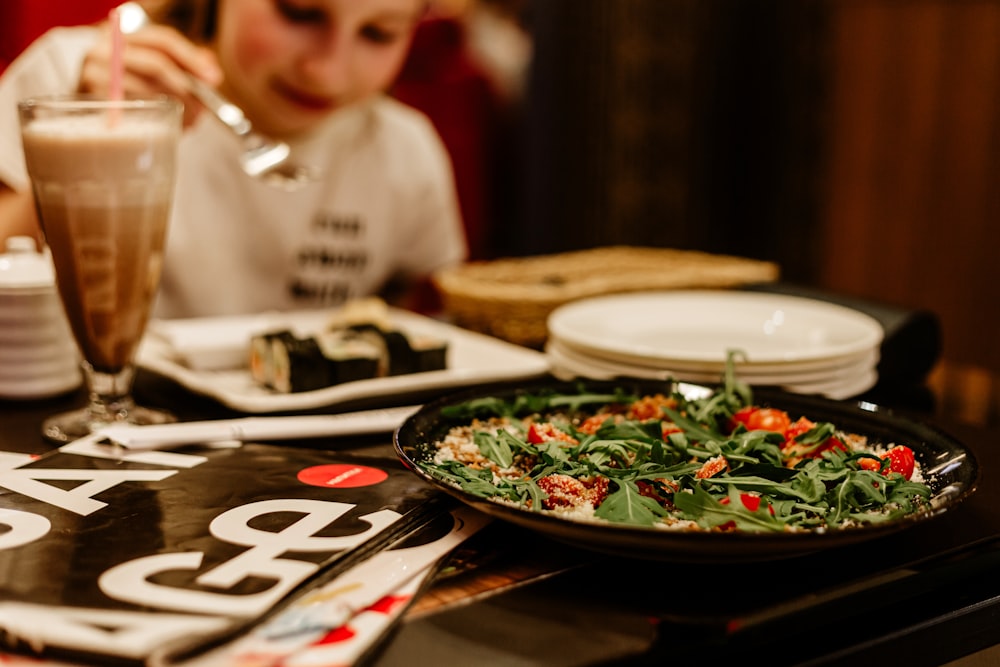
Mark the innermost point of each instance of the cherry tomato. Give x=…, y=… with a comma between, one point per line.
x=589, y=425
x=830, y=443
x=651, y=407
x=712, y=467
x=750, y=501
x=670, y=427
x=901, y=461
x=798, y=427
x=870, y=464
x=762, y=419
x=803, y=425
x=543, y=432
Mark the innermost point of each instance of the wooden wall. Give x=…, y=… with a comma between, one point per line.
x=678, y=123
x=911, y=210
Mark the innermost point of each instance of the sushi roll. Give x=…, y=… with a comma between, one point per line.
x=287, y=363
x=403, y=354
x=371, y=311
x=262, y=357
x=358, y=344
x=350, y=357
x=430, y=354
x=297, y=364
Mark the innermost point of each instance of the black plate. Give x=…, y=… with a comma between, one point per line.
x=949, y=468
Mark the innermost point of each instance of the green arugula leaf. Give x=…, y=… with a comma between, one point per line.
x=694, y=430
x=480, y=407
x=552, y=452
x=651, y=431
x=529, y=493
x=817, y=435
x=627, y=505
x=608, y=452
x=515, y=444
x=477, y=482
x=575, y=402
x=710, y=512
x=494, y=447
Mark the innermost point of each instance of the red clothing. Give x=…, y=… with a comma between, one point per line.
x=21, y=23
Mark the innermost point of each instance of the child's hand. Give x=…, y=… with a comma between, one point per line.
x=157, y=61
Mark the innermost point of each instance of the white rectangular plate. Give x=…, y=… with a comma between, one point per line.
x=473, y=358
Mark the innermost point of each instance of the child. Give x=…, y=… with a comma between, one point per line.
x=311, y=72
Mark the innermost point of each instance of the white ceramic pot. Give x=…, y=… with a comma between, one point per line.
x=38, y=357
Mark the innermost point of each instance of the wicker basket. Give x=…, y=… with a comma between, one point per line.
x=511, y=298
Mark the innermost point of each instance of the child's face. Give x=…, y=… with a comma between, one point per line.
x=290, y=63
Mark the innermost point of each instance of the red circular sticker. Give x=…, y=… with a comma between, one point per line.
x=342, y=476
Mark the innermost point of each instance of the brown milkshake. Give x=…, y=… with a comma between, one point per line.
x=103, y=192
x=103, y=174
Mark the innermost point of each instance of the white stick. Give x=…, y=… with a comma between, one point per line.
x=161, y=436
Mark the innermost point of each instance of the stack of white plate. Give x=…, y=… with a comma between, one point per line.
x=38, y=357
x=802, y=345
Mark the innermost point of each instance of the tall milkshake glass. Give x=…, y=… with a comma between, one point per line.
x=103, y=174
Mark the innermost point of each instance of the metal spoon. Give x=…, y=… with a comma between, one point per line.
x=263, y=157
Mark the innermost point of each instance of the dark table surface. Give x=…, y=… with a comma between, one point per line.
x=923, y=596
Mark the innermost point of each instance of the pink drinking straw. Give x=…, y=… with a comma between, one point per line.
x=117, y=92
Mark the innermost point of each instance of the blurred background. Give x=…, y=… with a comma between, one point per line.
x=854, y=142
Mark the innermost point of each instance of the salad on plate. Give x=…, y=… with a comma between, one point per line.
x=711, y=461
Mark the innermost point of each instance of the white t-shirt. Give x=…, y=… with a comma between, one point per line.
x=385, y=205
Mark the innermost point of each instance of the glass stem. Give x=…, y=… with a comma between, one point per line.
x=110, y=394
